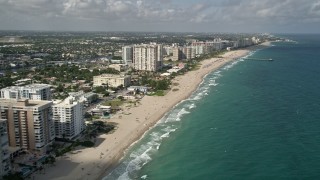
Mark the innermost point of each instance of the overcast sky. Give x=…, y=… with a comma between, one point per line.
x=293, y=16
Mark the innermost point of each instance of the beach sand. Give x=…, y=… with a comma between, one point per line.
x=132, y=123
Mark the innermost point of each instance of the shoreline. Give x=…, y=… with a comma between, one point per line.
x=99, y=161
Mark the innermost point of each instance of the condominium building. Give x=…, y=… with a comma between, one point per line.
x=180, y=53
x=188, y=52
x=4, y=145
x=176, y=54
x=31, y=91
x=68, y=118
x=30, y=124
x=207, y=47
x=167, y=50
x=148, y=57
x=112, y=80
x=127, y=54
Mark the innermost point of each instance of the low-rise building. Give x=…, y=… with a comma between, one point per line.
x=86, y=98
x=142, y=89
x=112, y=80
x=119, y=67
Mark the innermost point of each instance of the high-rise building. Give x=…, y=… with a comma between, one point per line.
x=180, y=53
x=207, y=47
x=127, y=54
x=30, y=124
x=176, y=54
x=68, y=118
x=167, y=50
x=4, y=145
x=188, y=52
x=31, y=91
x=147, y=57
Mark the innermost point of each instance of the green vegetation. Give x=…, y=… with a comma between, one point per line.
x=15, y=176
x=114, y=103
x=117, y=58
x=60, y=152
x=157, y=93
x=50, y=160
x=87, y=144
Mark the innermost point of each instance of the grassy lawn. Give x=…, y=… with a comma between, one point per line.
x=113, y=103
x=157, y=93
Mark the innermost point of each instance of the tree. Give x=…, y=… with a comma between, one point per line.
x=106, y=94
x=15, y=176
x=59, y=88
x=51, y=160
x=121, y=98
x=162, y=85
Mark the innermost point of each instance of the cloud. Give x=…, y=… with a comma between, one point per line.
x=176, y=13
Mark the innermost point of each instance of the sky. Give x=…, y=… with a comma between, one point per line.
x=237, y=16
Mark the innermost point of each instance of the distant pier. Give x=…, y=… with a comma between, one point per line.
x=258, y=59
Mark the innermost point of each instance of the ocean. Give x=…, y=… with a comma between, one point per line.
x=247, y=120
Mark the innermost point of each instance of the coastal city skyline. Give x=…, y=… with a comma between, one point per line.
x=159, y=89
x=291, y=16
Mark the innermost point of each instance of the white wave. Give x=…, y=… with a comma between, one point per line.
x=124, y=176
x=227, y=67
x=213, y=84
x=192, y=106
x=139, y=161
x=177, y=116
x=165, y=135
x=144, y=177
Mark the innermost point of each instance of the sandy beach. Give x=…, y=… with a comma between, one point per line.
x=133, y=122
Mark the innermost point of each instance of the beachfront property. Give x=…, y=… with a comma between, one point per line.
x=100, y=110
x=206, y=47
x=112, y=80
x=68, y=118
x=180, y=53
x=148, y=57
x=86, y=98
x=135, y=89
x=127, y=54
x=4, y=145
x=31, y=91
x=30, y=124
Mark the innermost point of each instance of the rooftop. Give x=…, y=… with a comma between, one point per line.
x=29, y=86
x=23, y=103
x=112, y=75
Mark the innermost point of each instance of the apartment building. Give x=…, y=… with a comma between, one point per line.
x=112, y=80
x=202, y=47
x=4, y=145
x=31, y=91
x=148, y=57
x=68, y=118
x=30, y=124
x=127, y=54
x=188, y=52
x=180, y=53
x=176, y=54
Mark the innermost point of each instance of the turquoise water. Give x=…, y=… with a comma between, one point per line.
x=249, y=120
